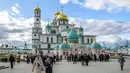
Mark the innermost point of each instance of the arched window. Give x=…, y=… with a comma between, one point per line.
x=49, y=46
x=67, y=27
x=51, y=40
x=39, y=45
x=47, y=39
x=91, y=40
x=88, y=40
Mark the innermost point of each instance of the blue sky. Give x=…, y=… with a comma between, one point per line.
x=109, y=19
x=49, y=7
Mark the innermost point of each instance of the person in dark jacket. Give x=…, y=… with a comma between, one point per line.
x=95, y=57
x=82, y=59
x=18, y=59
x=48, y=65
x=28, y=59
x=12, y=60
x=121, y=60
x=75, y=59
x=86, y=58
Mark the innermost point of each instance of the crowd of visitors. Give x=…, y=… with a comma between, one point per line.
x=45, y=62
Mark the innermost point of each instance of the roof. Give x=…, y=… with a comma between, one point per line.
x=95, y=45
x=66, y=30
x=72, y=35
x=64, y=46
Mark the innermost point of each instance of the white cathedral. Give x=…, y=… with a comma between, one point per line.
x=56, y=32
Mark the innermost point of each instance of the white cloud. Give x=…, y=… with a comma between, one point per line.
x=64, y=1
x=102, y=27
x=15, y=8
x=107, y=30
x=15, y=29
x=108, y=5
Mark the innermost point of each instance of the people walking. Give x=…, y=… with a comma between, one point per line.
x=121, y=60
x=86, y=59
x=48, y=65
x=75, y=59
x=38, y=65
x=12, y=60
x=18, y=59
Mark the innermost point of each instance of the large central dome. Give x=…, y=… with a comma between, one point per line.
x=62, y=16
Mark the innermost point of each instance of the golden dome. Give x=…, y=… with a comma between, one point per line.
x=37, y=9
x=94, y=41
x=62, y=16
x=57, y=13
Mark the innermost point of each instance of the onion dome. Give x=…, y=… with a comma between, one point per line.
x=95, y=45
x=48, y=26
x=81, y=28
x=57, y=13
x=37, y=9
x=72, y=36
x=64, y=46
x=66, y=30
x=62, y=17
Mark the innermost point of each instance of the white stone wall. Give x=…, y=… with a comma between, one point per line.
x=64, y=33
x=44, y=38
x=61, y=27
x=44, y=46
x=86, y=39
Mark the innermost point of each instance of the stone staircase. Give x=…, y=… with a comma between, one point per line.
x=3, y=67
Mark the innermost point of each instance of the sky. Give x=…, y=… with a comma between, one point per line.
x=109, y=19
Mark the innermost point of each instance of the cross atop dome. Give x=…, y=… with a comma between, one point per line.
x=62, y=7
x=37, y=4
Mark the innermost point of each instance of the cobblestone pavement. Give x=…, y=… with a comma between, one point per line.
x=68, y=67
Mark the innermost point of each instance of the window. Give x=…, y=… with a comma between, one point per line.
x=47, y=39
x=51, y=40
x=49, y=46
x=91, y=40
x=34, y=34
x=37, y=19
x=39, y=45
x=88, y=40
x=67, y=27
x=37, y=30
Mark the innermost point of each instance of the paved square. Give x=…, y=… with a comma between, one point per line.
x=68, y=67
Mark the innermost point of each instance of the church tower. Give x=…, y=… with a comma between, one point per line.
x=36, y=30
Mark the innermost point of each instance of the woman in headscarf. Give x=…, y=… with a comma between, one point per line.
x=38, y=65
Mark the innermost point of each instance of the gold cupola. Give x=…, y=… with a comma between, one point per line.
x=57, y=13
x=37, y=8
x=62, y=16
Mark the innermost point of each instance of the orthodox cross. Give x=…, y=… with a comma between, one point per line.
x=37, y=4
x=62, y=7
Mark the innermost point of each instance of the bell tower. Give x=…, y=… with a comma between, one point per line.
x=36, y=30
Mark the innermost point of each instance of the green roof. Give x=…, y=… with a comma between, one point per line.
x=95, y=45
x=81, y=28
x=64, y=46
x=81, y=46
x=128, y=47
x=72, y=36
x=48, y=26
x=66, y=30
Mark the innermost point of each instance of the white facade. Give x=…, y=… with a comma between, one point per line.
x=54, y=35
